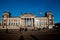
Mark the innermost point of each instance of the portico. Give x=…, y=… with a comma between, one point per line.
x=27, y=21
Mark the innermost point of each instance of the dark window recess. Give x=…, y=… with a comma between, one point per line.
x=4, y=20
x=4, y=23
x=50, y=19
x=9, y=23
x=28, y=25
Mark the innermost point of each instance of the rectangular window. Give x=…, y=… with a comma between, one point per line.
x=5, y=24
x=9, y=23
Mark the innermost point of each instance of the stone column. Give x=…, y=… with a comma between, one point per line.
x=32, y=22
x=26, y=22
x=29, y=22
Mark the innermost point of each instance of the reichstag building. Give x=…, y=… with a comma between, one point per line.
x=27, y=20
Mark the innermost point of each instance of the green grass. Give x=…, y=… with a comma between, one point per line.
x=2, y=30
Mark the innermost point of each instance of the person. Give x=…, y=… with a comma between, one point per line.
x=20, y=30
x=7, y=30
x=25, y=29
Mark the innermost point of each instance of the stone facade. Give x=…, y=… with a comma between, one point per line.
x=28, y=20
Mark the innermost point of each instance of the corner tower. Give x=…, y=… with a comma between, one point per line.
x=5, y=17
x=50, y=19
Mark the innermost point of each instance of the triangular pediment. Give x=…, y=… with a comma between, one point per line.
x=27, y=16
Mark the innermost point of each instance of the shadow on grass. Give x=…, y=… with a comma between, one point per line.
x=21, y=38
x=34, y=37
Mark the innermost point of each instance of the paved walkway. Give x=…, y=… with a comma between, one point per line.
x=30, y=35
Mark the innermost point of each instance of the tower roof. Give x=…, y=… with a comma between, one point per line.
x=7, y=13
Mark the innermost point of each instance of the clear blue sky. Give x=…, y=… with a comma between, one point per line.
x=16, y=6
